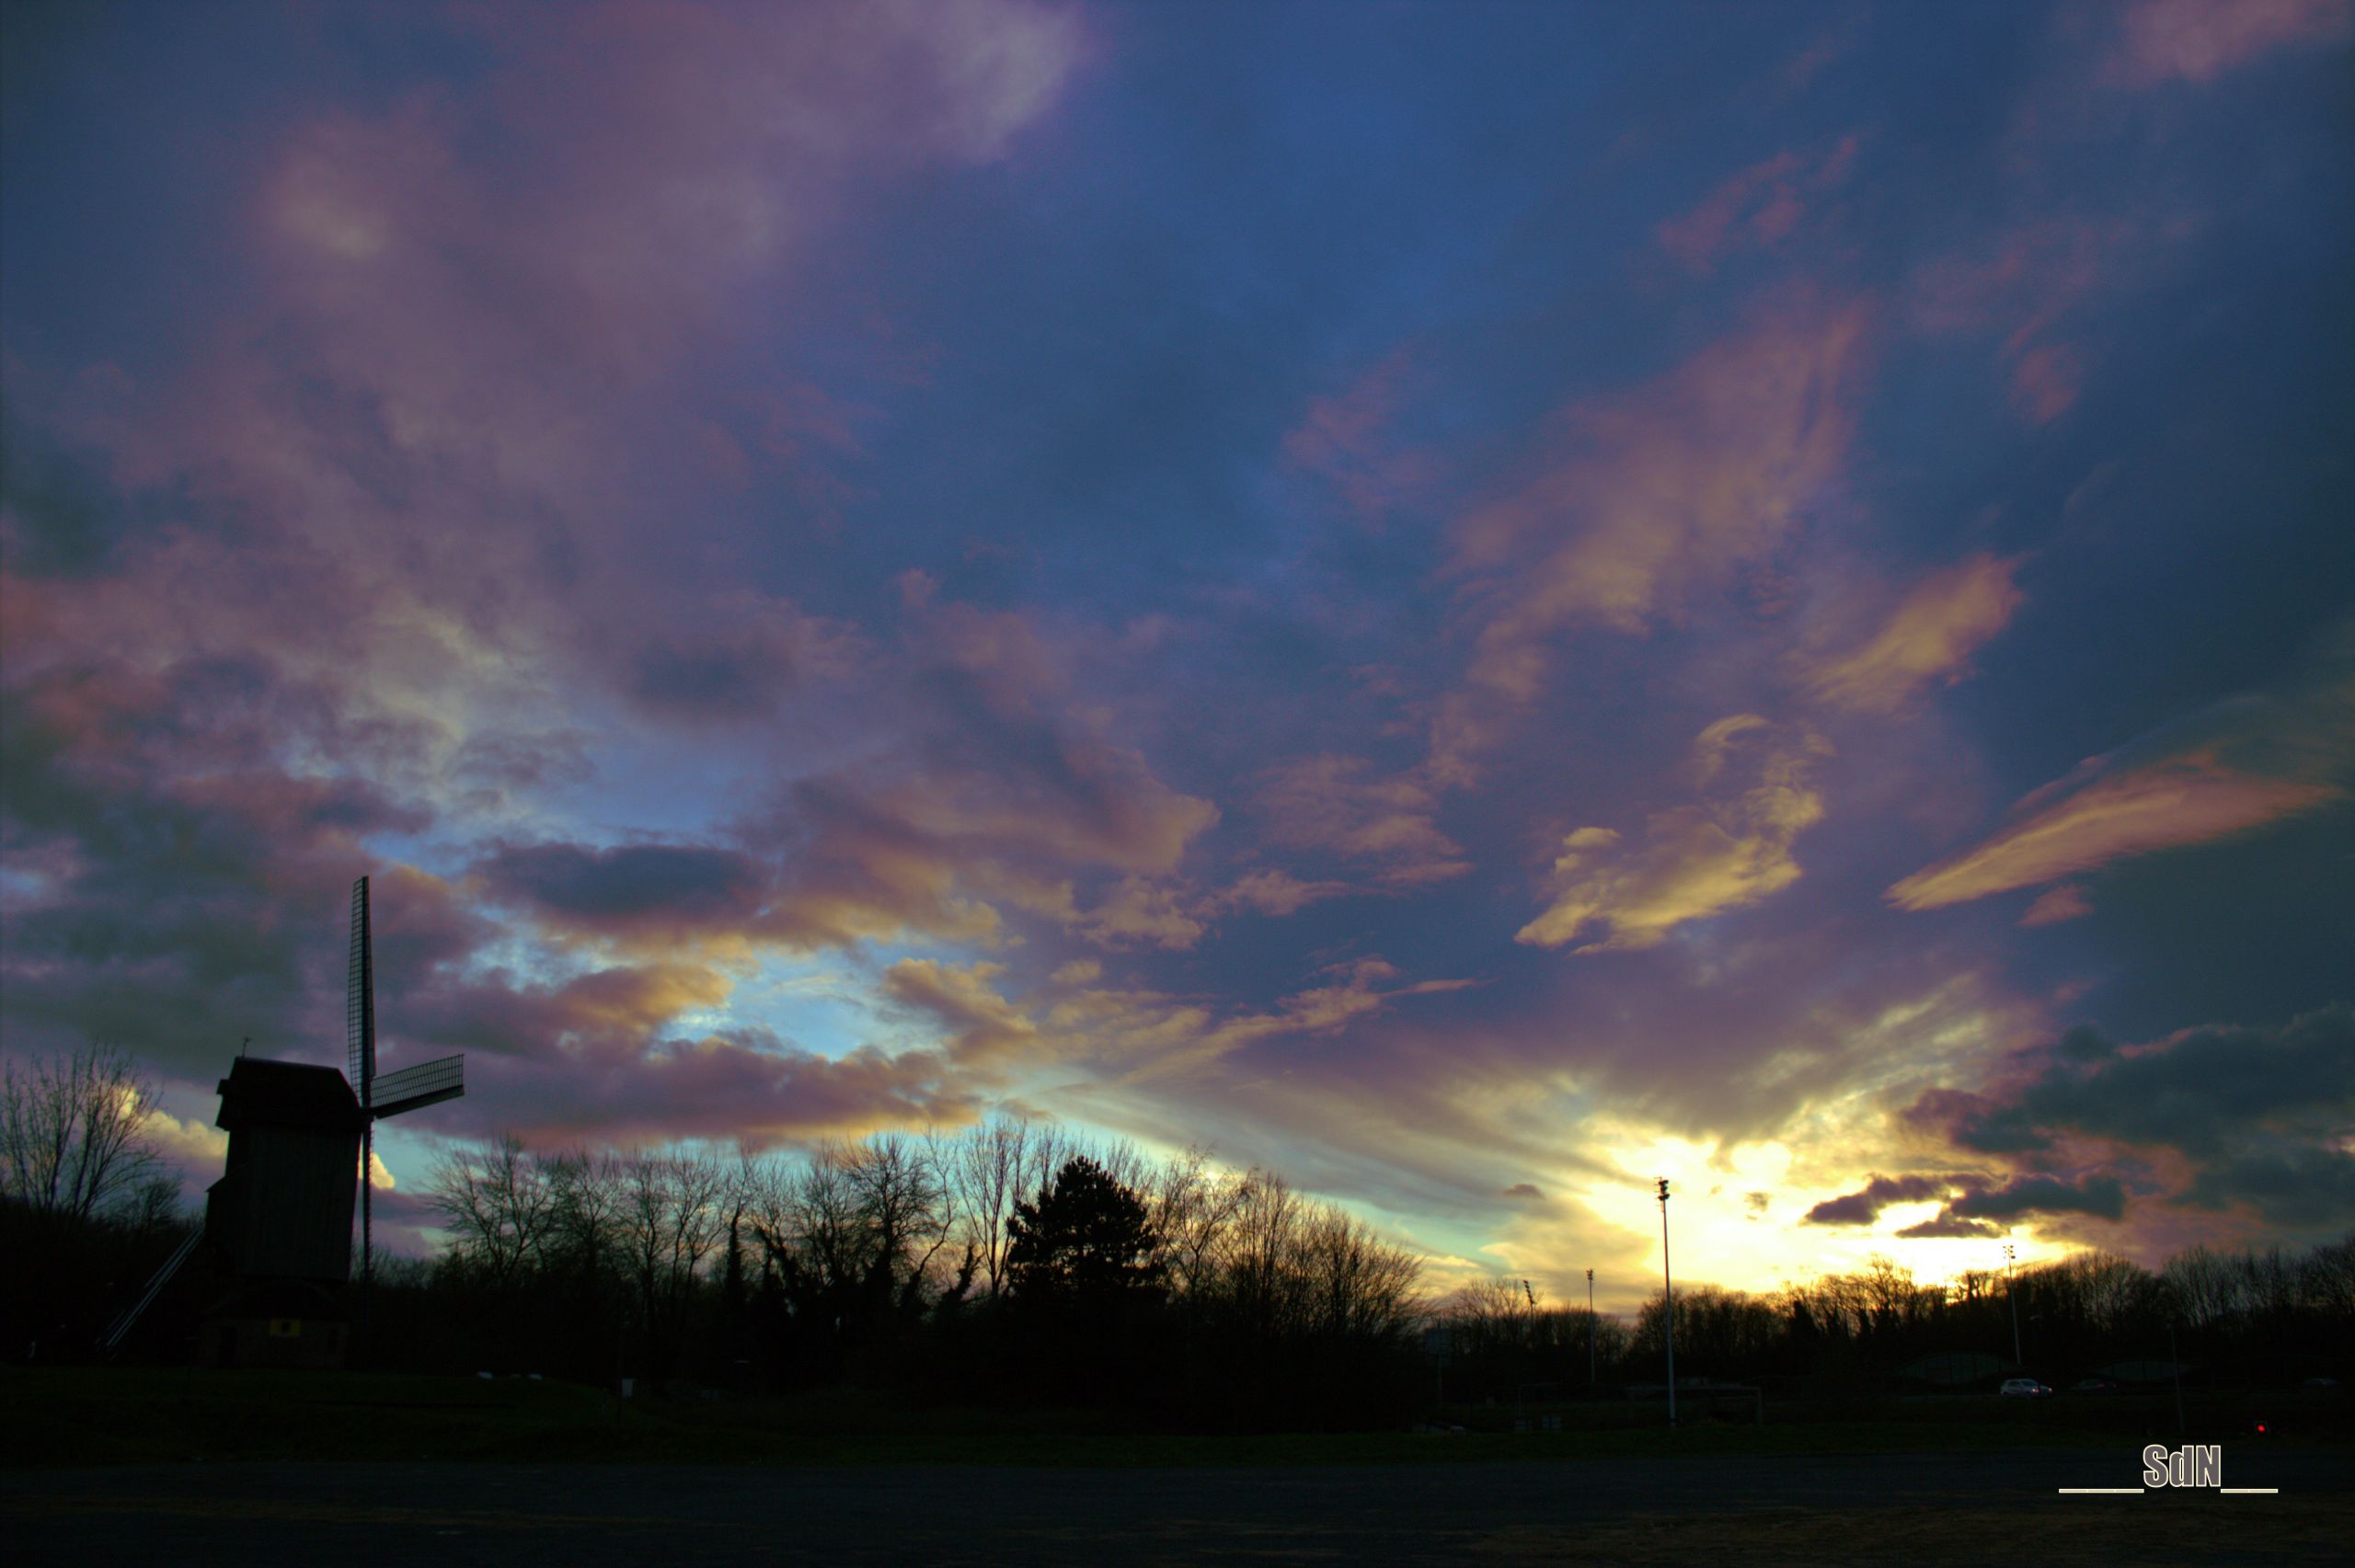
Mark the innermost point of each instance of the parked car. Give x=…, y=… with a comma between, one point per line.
x=2023, y=1388
x=2093, y=1386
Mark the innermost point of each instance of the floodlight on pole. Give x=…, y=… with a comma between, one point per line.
x=1668, y=1302
x=2012, y=1295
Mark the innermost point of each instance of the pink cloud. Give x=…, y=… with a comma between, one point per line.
x=1929, y=637
x=1755, y=208
x=1349, y=441
x=2028, y=287
x=2187, y=800
x=1645, y=500
x=2159, y=42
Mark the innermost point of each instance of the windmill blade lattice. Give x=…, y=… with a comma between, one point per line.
x=359, y=1002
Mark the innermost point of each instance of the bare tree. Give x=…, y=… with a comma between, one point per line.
x=585, y=1225
x=672, y=1217
x=986, y=1169
x=1191, y=1204
x=2201, y=1282
x=907, y=1208
x=499, y=1200
x=1358, y=1287
x=1256, y=1253
x=70, y=1130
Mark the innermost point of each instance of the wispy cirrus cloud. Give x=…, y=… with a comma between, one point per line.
x=1928, y=637
x=2232, y=768
x=2185, y=800
x=1644, y=500
x=1733, y=849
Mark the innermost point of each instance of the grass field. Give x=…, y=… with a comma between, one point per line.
x=74, y=1417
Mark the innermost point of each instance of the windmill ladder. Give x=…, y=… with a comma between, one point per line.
x=122, y=1325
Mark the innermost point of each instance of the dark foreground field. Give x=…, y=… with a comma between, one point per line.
x=544, y=1473
x=1912, y=1509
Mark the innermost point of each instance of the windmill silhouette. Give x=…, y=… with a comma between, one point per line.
x=392, y=1094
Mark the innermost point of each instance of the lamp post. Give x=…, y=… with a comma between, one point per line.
x=2013, y=1296
x=1590, y=1328
x=1668, y=1301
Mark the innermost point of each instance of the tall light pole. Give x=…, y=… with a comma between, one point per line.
x=1668, y=1302
x=2013, y=1296
x=1590, y=1328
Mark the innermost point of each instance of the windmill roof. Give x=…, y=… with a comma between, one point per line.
x=262, y=1092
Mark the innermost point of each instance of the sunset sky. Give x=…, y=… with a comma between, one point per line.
x=1475, y=603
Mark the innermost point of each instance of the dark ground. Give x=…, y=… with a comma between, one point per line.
x=1813, y=1509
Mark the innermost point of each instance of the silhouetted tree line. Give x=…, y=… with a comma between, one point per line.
x=1011, y=1263
x=2237, y=1316
x=1008, y=1263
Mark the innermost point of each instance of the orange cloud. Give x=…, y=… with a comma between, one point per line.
x=2066, y=902
x=1695, y=860
x=983, y=1027
x=1140, y=913
x=1646, y=500
x=1327, y=802
x=2185, y=800
x=1929, y=637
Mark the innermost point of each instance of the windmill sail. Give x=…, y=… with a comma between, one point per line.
x=428, y=1084
x=359, y=1000
x=359, y=1053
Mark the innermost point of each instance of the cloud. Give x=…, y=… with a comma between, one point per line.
x=1757, y=207
x=741, y=1085
x=1929, y=637
x=2100, y=1196
x=2233, y=1109
x=742, y=658
x=983, y=1027
x=1277, y=893
x=1970, y=1201
x=1111, y=1034
x=2066, y=902
x=1389, y=823
x=191, y=1149
x=1949, y=1226
x=655, y=893
x=1349, y=441
x=1643, y=500
x=2158, y=42
x=1864, y=1206
x=2187, y=800
x=2230, y=767
x=1139, y=912
x=1693, y=861
x=2029, y=284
